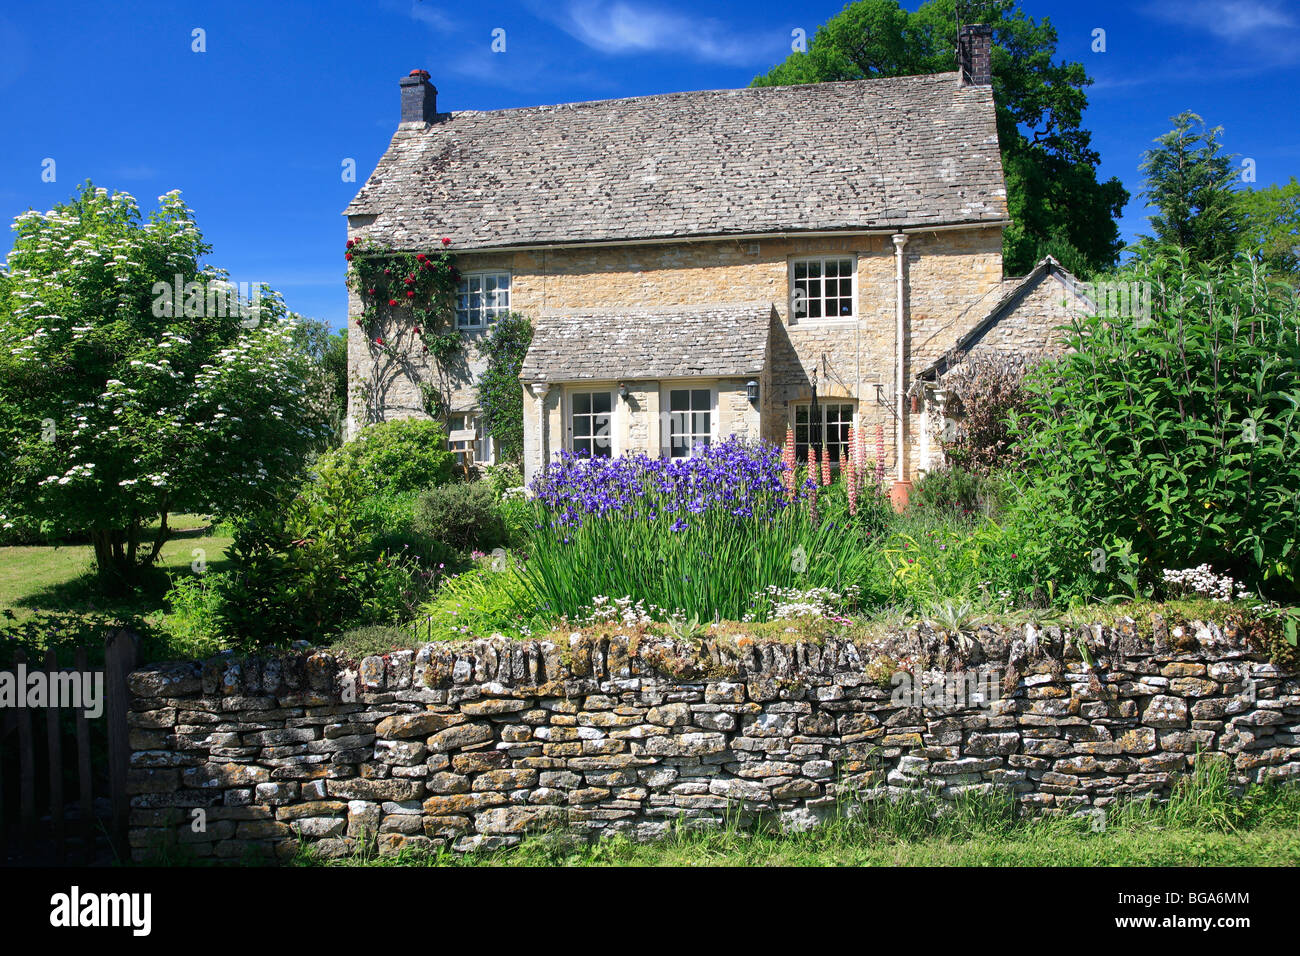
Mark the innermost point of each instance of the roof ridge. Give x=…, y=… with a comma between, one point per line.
x=820, y=85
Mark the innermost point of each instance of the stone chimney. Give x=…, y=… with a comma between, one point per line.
x=975, y=55
x=419, y=98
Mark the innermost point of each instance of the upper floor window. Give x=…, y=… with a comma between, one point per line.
x=823, y=288
x=480, y=298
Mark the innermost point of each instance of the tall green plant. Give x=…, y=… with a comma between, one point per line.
x=500, y=394
x=1175, y=435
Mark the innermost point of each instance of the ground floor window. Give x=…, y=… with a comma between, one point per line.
x=591, y=417
x=828, y=429
x=469, y=440
x=690, y=420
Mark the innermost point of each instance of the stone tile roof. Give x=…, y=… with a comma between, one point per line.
x=882, y=153
x=627, y=344
x=1014, y=292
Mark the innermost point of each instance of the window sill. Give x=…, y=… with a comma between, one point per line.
x=818, y=323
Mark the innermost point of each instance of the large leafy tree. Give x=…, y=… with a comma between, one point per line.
x=1271, y=226
x=1053, y=195
x=131, y=386
x=1190, y=184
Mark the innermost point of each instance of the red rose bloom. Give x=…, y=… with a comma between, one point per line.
x=409, y=294
x=419, y=257
x=347, y=256
x=417, y=330
x=446, y=241
x=379, y=341
x=392, y=302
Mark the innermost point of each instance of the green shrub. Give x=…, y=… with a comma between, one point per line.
x=502, y=478
x=954, y=491
x=406, y=455
x=1174, y=438
x=462, y=516
x=192, y=622
x=312, y=567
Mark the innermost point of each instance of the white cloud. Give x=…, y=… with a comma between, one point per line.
x=1262, y=24
x=622, y=27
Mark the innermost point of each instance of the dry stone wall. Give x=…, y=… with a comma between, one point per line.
x=473, y=745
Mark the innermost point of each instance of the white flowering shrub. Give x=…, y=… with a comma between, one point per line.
x=119, y=405
x=1202, y=581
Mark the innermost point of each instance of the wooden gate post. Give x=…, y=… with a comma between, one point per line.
x=119, y=661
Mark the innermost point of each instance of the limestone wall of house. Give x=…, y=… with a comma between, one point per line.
x=472, y=746
x=953, y=279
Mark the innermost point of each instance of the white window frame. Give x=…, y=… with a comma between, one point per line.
x=665, y=404
x=570, y=414
x=795, y=317
x=851, y=421
x=488, y=312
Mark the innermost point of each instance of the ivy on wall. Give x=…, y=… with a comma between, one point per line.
x=500, y=394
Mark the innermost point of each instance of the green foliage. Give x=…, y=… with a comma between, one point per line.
x=715, y=567
x=123, y=398
x=1271, y=231
x=488, y=599
x=408, y=454
x=1173, y=438
x=328, y=351
x=953, y=491
x=1190, y=182
x=312, y=567
x=192, y=624
x=503, y=478
x=1053, y=196
x=462, y=516
x=500, y=394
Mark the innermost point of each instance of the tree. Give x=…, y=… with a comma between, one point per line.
x=1189, y=182
x=135, y=382
x=1271, y=227
x=1053, y=196
x=328, y=350
x=500, y=394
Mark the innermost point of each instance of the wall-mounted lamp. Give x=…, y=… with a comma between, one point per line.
x=751, y=389
x=622, y=391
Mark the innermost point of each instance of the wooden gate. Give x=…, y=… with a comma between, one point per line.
x=63, y=793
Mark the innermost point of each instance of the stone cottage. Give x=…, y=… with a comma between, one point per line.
x=703, y=264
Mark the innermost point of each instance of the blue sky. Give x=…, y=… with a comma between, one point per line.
x=255, y=130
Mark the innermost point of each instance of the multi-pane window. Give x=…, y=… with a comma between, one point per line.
x=469, y=440
x=823, y=288
x=480, y=298
x=591, y=416
x=829, y=430
x=690, y=420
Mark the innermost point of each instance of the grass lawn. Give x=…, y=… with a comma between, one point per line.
x=62, y=577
